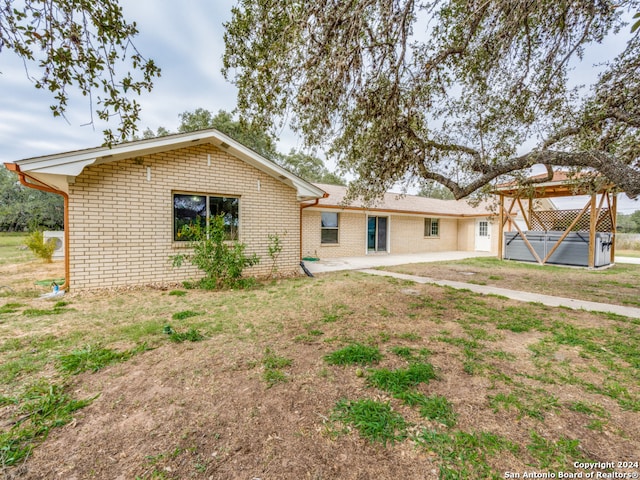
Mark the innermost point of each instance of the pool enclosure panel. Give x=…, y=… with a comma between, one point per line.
x=573, y=250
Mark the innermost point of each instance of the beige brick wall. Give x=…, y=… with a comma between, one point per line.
x=120, y=223
x=406, y=234
x=351, y=235
x=467, y=234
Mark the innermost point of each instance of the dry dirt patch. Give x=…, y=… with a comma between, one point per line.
x=204, y=409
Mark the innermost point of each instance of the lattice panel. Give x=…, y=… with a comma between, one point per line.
x=561, y=219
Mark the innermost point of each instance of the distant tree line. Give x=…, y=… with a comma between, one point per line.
x=629, y=223
x=305, y=165
x=23, y=209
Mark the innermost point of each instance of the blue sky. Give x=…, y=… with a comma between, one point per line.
x=186, y=41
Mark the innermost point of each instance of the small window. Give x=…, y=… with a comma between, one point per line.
x=198, y=209
x=484, y=229
x=431, y=227
x=329, y=228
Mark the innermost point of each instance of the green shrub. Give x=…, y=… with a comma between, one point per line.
x=44, y=250
x=222, y=261
x=274, y=249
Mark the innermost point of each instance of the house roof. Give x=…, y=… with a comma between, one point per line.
x=407, y=204
x=59, y=169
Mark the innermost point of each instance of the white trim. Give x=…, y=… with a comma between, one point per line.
x=388, y=233
x=482, y=243
x=71, y=164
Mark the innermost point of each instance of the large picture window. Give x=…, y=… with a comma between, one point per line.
x=431, y=227
x=329, y=228
x=190, y=209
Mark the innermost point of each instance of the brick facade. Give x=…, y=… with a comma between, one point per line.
x=352, y=230
x=121, y=215
x=406, y=234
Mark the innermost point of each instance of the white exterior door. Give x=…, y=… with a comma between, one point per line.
x=483, y=235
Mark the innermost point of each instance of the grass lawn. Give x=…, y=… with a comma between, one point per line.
x=340, y=376
x=628, y=253
x=617, y=284
x=13, y=250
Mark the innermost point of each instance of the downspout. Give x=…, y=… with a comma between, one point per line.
x=302, y=207
x=46, y=188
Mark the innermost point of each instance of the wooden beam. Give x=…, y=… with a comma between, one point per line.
x=508, y=215
x=526, y=215
x=527, y=243
x=593, y=221
x=614, y=226
x=599, y=210
x=566, y=232
x=501, y=230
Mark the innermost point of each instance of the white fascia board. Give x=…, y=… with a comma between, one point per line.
x=304, y=189
x=71, y=164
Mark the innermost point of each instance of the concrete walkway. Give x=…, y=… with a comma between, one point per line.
x=365, y=265
x=517, y=295
x=635, y=260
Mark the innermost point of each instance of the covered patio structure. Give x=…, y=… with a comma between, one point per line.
x=578, y=237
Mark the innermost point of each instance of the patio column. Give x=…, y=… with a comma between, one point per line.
x=593, y=219
x=501, y=230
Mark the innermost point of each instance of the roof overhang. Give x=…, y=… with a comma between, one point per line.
x=392, y=211
x=60, y=169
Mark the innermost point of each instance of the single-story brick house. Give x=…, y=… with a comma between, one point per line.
x=396, y=224
x=124, y=206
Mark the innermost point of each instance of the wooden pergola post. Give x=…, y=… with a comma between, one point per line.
x=559, y=186
x=614, y=225
x=501, y=232
x=593, y=220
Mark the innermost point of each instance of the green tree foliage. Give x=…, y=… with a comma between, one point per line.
x=148, y=133
x=35, y=242
x=431, y=189
x=629, y=223
x=309, y=167
x=636, y=25
x=80, y=44
x=221, y=261
x=250, y=136
x=625, y=224
x=306, y=166
x=455, y=91
x=24, y=208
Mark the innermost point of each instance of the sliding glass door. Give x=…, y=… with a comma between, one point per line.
x=377, y=228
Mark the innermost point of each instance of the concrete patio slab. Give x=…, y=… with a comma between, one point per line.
x=376, y=260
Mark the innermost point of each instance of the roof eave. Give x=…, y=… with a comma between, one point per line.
x=71, y=164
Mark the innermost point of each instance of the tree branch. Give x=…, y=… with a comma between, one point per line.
x=624, y=176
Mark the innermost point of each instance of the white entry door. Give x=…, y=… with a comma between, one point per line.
x=483, y=236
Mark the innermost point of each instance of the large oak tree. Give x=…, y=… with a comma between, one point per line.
x=80, y=44
x=462, y=92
